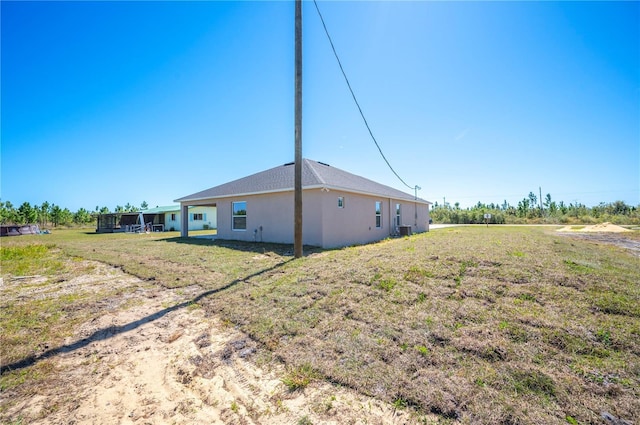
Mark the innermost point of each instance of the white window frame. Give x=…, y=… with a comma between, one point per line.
x=379, y=214
x=340, y=201
x=173, y=216
x=234, y=216
x=398, y=214
x=198, y=217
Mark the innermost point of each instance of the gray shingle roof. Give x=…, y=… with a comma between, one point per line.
x=314, y=175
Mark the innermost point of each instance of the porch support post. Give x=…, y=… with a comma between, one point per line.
x=184, y=220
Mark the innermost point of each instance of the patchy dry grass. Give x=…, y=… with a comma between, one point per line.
x=30, y=259
x=501, y=325
x=299, y=377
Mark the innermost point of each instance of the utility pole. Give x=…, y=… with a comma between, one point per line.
x=297, y=231
x=541, y=210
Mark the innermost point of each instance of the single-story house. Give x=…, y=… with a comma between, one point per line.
x=159, y=218
x=339, y=208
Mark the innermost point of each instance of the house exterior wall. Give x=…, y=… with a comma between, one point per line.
x=355, y=222
x=270, y=218
x=210, y=218
x=172, y=224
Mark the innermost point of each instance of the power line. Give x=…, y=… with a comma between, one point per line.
x=555, y=194
x=356, y=100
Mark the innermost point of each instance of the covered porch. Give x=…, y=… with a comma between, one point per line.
x=185, y=217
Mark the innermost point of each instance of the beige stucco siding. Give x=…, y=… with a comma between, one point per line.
x=270, y=218
x=355, y=223
x=312, y=223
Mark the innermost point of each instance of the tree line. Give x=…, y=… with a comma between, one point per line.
x=531, y=210
x=528, y=211
x=47, y=214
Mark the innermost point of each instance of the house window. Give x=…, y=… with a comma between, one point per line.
x=378, y=214
x=239, y=216
x=197, y=216
x=340, y=202
x=173, y=217
x=397, y=214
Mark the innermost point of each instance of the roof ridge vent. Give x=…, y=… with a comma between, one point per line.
x=288, y=163
x=324, y=163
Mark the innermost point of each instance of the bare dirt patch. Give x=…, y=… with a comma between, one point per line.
x=600, y=228
x=163, y=361
x=622, y=240
x=605, y=233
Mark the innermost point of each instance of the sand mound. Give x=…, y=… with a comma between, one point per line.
x=602, y=227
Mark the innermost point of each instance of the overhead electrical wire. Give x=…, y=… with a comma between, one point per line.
x=356, y=100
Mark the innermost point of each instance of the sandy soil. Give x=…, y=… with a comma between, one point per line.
x=602, y=227
x=606, y=233
x=156, y=363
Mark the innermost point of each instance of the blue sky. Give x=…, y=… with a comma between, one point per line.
x=105, y=103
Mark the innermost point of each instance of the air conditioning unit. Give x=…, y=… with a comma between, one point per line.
x=405, y=230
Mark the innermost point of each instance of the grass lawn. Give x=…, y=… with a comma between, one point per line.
x=478, y=325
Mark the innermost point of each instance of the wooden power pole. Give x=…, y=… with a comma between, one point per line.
x=541, y=210
x=297, y=242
